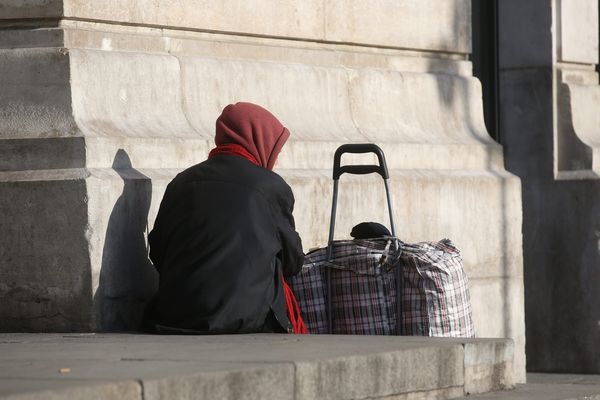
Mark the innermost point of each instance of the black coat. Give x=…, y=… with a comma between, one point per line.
x=223, y=237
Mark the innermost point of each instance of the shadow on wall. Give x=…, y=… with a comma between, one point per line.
x=127, y=277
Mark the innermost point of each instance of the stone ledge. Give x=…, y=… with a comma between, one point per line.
x=123, y=366
x=345, y=21
x=179, y=153
x=97, y=93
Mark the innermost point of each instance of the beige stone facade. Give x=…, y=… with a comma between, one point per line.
x=103, y=102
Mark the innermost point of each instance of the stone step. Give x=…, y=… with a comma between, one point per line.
x=550, y=387
x=262, y=366
x=179, y=153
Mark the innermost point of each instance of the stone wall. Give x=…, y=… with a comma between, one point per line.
x=106, y=101
x=550, y=103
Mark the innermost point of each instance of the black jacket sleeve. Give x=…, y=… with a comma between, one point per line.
x=155, y=251
x=291, y=255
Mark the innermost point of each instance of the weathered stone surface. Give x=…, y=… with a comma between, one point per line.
x=578, y=41
x=123, y=277
x=263, y=17
x=84, y=390
x=35, y=100
x=413, y=24
x=42, y=154
x=272, y=382
x=350, y=105
x=488, y=367
x=416, y=198
x=136, y=192
x=511, y=324
x=45, y=272
x=89, y=35
x=579, y=129
x=410, y=24
x=381, y=375
x=127, y=94
x=136, y=104
x=12, y=9
x=242, y=366
x=549, y=387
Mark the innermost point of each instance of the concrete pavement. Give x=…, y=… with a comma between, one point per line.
x=550, y=387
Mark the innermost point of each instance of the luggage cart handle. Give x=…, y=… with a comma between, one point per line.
x=359, y=148
x=338, y=170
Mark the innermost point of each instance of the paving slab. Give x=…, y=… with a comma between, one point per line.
x=137, y=366
x=550, y=387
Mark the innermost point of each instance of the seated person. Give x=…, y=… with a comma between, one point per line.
x=224, y=238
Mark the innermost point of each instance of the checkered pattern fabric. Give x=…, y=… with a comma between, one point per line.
x=435, y=294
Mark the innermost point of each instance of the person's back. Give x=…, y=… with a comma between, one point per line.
x=222, y=241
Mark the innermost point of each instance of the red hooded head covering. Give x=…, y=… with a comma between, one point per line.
x=249, y=126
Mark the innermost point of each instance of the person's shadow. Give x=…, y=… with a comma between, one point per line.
x=127, y=278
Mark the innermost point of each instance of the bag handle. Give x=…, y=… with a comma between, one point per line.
x=359, y=148
x=339, y=170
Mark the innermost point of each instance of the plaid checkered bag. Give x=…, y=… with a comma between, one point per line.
x=358, y=288
x=435, y=296
x=435, y=291
x=309, y=288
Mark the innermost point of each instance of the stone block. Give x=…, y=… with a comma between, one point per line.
x=549, y=387
x=45, y=271
x=578, y=132
x=35, y=100
x=31, y=38
x=489, y=366
x=127, y=94
x=323, y=98
x=578, y=41
x=263, y=17
x=389, y=106
x=244, y=366
x=85, y=390
x=416, y=25
x=11, y=9
x=381, y=375
x=42, y=154
x=97, y=36
x=273, y=382
x=350, y=105
x=503, y=298
x=428, y=25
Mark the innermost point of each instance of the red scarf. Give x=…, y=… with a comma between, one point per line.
x=293, y=311
x=233, y=149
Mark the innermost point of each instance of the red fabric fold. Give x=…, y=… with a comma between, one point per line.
x=255, y=129
x=233, y=149
x=293, y=311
